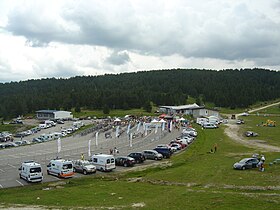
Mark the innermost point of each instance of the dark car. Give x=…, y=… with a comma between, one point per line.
x=166, y=153
x=251, y=134
x=124, y=161
x=138, y=157
x=246, y=163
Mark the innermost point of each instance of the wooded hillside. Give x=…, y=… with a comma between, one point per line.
x=227, y=88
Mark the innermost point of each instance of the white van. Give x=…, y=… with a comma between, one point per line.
x=43, y=126
x=103, y=162
x=60, y=168
x=31, y=171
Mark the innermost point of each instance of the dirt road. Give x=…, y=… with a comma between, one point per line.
x=232, y=130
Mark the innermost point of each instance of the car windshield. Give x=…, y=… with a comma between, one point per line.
x=67, y=166
x=35, y=170
x=87, y=163
x=243, y=161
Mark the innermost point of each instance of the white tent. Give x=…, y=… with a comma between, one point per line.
x=182, y=119
x=154, y=121
x=162, y=121
x=117, y=120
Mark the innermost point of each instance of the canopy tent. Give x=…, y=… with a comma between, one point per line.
x=117, y=120
x=154, y=121
x=162, y=121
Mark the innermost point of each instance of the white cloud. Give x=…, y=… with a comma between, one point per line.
x=67, y=38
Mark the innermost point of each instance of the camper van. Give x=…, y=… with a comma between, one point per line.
x=31, y=171
x=60, y=168
x=103, y=162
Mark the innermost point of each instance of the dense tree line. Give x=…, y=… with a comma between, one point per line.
x=226, y=88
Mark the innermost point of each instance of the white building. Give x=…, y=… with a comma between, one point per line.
x=53, y=115
x=182, y=109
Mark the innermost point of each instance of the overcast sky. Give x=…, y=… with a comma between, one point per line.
x=45, y=38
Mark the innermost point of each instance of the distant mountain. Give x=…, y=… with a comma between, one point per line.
x=226, y=88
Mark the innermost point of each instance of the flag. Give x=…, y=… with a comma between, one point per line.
x=130, y=140
x=170, y=126
x=138, y=126
x=58, y=145
x=117, y=131
x=156, y=128
x=128, y=128
x=144, y=126
x=89, y=143
x=96, y=138
x=146, y=130
x=163, y=126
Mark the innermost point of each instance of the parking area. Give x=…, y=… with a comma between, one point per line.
x=71, y=148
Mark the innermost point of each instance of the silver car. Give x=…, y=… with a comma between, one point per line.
x=152, y=154
x=83, y=166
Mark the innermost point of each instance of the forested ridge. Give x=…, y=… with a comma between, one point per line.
x=226, y=88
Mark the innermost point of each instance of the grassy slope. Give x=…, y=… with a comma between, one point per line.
x=196, y=180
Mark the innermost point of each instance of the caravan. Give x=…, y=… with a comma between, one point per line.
x=104, y=162
x=60, y=168
x=31, y=171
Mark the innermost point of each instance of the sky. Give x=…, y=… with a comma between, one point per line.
x=62, y=39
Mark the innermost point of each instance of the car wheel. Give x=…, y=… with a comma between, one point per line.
x=48, y=172
x=101, y=169
x=84, y=172
x=125, y=164
x=156, y=158
x=74, y=169
x=243, y=168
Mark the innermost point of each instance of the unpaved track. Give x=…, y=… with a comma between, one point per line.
x=232, y=130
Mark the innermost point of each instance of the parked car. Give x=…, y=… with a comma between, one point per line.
x=138, y=157
x=177, y=146
x=125, y=161
x=36, y=140
x=83, y=166
x=239, y=122
x=251, y=134
x=18, y=143
x=166, y=152
x=152, y=154
x=10, y=144
x=25, y=142
x=209, y=126
x=246, y=163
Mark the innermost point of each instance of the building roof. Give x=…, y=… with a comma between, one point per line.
x=183, y=107
x=46, y=111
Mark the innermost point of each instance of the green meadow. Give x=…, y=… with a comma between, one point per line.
x=192, y=179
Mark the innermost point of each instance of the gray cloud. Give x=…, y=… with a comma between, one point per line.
x=118, y=58
x=212, y=29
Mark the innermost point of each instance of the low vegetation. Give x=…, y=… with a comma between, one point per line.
x=193, y=179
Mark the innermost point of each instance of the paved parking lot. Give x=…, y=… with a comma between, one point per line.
x=71, y=148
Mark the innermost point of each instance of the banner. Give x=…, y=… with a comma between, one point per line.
x=146, y=130
x=96, y=139
x=130, y=140
x=138, y=126
x=170, y=126
x=128, y=128
x=163, y=126
x=156, y=128
x=89, y=143
x=58, y=145
x=117, y=131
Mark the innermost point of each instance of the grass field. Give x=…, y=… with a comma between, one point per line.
x=193, y=179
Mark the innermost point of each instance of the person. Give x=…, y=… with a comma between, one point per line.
x=262, y=158
x=116, y=150
x=111, y=151
x=82, y=157
x=215, y=147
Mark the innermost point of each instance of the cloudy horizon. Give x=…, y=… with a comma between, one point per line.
x=44, y=39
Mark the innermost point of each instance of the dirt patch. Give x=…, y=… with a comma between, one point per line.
x=232, y=131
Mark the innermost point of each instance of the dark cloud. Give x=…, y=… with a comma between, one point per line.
x=118, y=58
x=229, y=31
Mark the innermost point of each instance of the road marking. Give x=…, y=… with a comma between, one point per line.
x=11, y=165
x=1, y=186
x=19, y=182
x=2, y=170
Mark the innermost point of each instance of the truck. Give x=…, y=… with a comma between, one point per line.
x=31, y=171
x=60, y=168
x=103, y=162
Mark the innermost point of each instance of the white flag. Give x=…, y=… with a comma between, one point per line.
x=130, y=140
x=58, y=145
x=163, y=126
x=170, y=126
x=128, y=128
x=138, y=126
x=117, y=131
x=89, y=143
x=146, y=130
x=156, y=128
x=96, y=139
